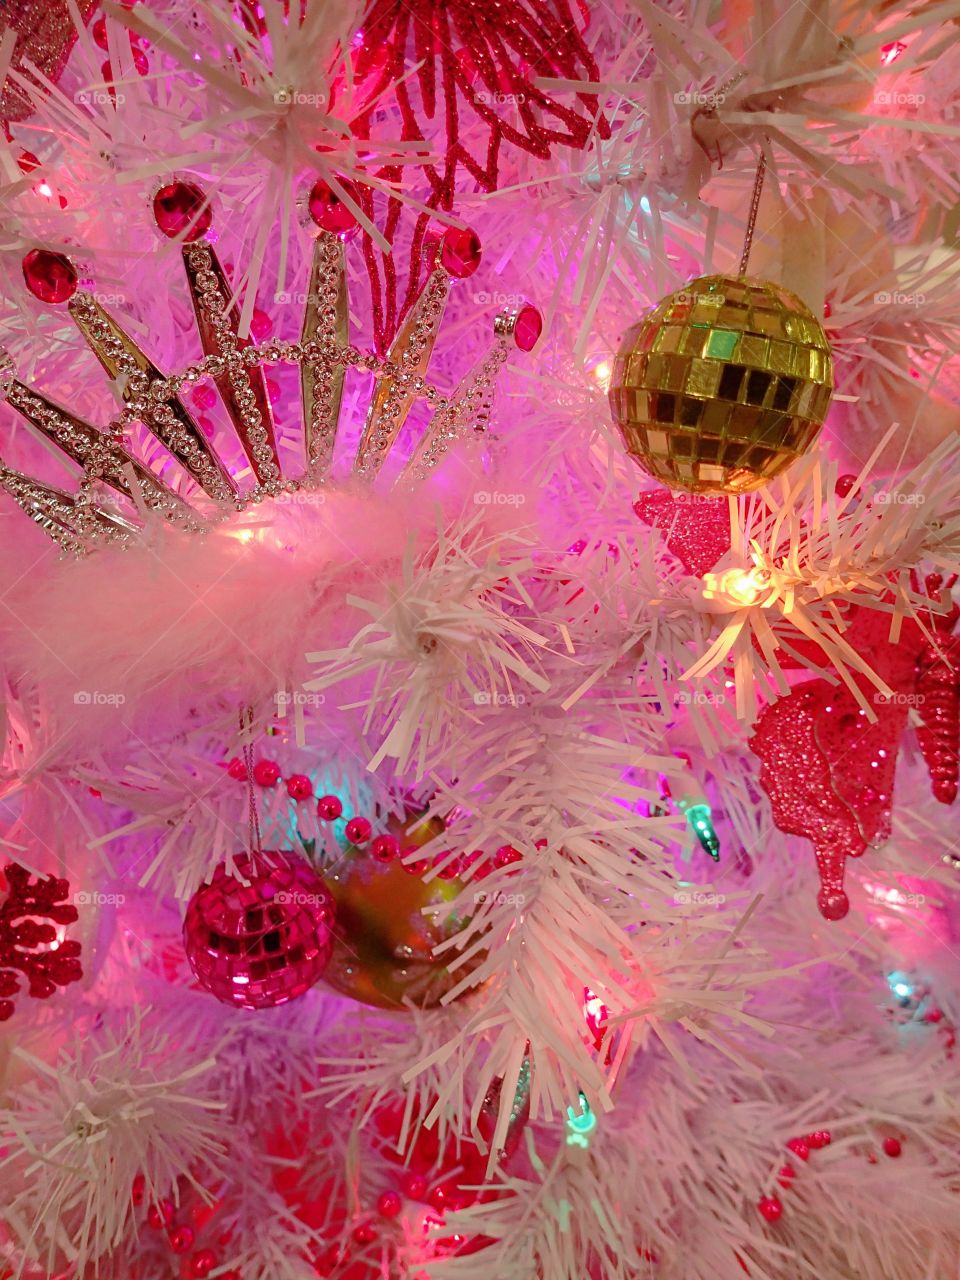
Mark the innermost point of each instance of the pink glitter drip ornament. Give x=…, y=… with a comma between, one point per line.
x=829, y=770
x=262, y=937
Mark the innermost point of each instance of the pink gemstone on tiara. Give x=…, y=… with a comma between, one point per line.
x=181, y=209
x=51, y=277
x=528, y=327
x=460, y=252
x=326, y=208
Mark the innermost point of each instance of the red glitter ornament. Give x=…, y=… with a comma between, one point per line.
x=31, y=943
x=326, y=208
x=50, y=277
x=506, y=855
x=182, y=211
x=261, y=943
x=840, y=798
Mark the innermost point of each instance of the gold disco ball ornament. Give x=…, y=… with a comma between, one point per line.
x=723, y=385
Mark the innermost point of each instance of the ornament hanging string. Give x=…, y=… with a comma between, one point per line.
x=253, y=816
x=752, y=216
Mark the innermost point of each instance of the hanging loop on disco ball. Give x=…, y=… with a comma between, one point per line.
x=724, y=384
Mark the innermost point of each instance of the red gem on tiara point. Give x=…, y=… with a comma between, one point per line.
x=460, y=252
x=326, y=208
x=51, y=277
x=182, y=209
x=528, y=327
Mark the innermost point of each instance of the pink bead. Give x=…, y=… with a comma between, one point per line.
x=527, y=328
x=414, y=1186
x=770, y=1208
x=203, y=396
x=261, y=326
x=419, y=867
x=389, y=1204
x=364, y=1233
x=51, y=277
x=329, y=808
x=460, y=252
x=181, y=1240
x=358, y=830
x=266, y=773
x=264, y=942
x=799, y=1148
x=820, y=1138
x=138, y=1190
x=385, y=848
x=202, y=1263
x=507, y=854
x=99, y=33
x=786, y=1175
x=451, y=870
x=326, y=208
x=844, y=485
x=237, y=769
x=892, y=1147
x=182, y=210
x=299, y=786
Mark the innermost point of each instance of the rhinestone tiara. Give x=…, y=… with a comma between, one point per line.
x=81, y=520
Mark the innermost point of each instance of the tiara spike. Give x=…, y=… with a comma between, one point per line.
x=74, y=524
x=402, y=382
x=326, y=330
x=468, y=408
x=98, y=454
x=136, y=374
x=240, y=382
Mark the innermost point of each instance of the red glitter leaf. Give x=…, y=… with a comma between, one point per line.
x=472, y=57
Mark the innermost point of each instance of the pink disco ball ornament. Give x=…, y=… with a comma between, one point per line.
x=264, y=942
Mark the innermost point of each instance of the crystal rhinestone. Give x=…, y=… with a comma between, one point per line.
x=327, y=209
x=528, y=327
x=181, y=209
x=460, y=252
x=51, y=277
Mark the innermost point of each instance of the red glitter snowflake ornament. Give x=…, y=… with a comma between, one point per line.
x=32, y=918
